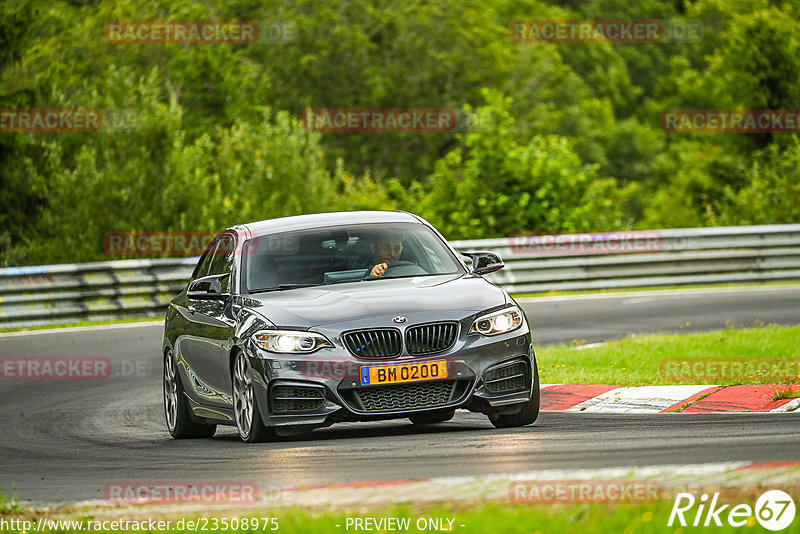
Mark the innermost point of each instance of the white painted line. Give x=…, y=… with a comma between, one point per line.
x=82, y=329
x=591, y=346
x=583, y=406
x=487, y=487
x=655, y=293
x=644, y=399
x=789, y=407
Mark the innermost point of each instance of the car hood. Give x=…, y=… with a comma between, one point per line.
x=321, y=305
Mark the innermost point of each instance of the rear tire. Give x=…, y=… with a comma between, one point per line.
x=527, y=414
x=432, y=417
x=248, y=417
x=176, y=407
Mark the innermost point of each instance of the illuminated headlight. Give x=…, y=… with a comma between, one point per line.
x=289, y=342
x=498, y=322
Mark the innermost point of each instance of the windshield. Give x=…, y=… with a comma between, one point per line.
x=345, y=254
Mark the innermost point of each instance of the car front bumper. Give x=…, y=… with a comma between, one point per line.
x=315, y=390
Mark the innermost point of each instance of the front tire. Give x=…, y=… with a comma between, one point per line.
x=248, y=417
x=527, y=414
x=176, y=408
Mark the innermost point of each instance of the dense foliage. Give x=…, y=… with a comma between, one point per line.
x=563, y=137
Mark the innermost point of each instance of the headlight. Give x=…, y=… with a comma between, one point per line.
x=498, y=322
x=290, y=342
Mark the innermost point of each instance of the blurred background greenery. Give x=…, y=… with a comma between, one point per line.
x=567, y=135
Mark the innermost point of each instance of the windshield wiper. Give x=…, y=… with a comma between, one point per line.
x=370, y=278
x=347, y=281
x=282, y=287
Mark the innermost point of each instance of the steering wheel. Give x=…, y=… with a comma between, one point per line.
x=404, y=268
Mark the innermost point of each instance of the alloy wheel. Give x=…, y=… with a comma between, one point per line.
x=243, y=395
x=170, y=391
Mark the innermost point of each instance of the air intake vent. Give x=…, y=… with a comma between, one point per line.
x=430, y=338
x=506, y=379
x=293, y=399
x=385, y=343
x=406, y=396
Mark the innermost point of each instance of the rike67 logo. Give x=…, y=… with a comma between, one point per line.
x=774, y=510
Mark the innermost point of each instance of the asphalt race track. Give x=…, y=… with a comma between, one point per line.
x=612, y=316
x=63, y=441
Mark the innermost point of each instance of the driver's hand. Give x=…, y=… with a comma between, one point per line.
x=378, y=270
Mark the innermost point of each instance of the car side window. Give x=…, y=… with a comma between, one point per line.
x=202, y=266
x=222, y=259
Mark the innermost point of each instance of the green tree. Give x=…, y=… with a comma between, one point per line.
x=19, y=203
x=772, y=193
x=491, y=185
x=154, y=177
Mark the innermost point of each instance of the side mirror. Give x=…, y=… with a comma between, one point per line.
x=207, y=288
x=484, y=262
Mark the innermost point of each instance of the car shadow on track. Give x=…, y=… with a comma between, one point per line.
x=379, y=429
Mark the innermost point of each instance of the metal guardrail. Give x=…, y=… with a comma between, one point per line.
x=52, y=294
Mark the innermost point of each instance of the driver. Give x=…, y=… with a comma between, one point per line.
x=386, y=250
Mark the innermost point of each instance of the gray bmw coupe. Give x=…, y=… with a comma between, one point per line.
x=300, y=322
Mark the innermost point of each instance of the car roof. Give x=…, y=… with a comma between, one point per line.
x=321, y=220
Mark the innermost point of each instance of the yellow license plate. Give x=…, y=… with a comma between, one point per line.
x=409, y=372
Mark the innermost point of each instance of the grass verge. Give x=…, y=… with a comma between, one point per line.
x=81, y=323
x=8, y=506
x=505, y=518
x=787, y=394
x=560, y=293
x=726, y=357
